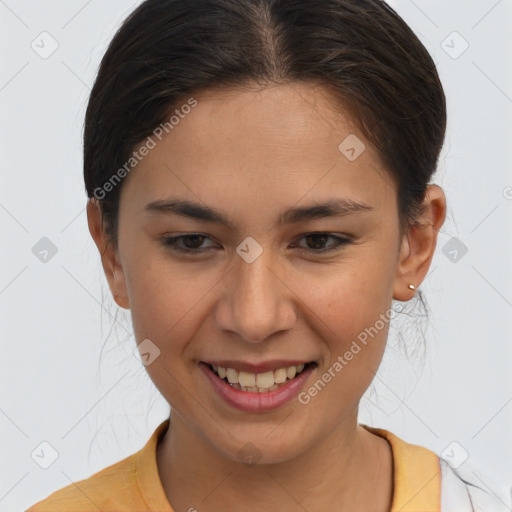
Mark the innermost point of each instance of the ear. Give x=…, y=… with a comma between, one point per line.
x=109, y=255
x=419, y=243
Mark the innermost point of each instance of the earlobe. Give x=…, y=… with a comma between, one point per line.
x=401, y=290
x=109, y=256
x=418, y=245
x=118, y=288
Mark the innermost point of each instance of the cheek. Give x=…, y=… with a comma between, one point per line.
x=163, y=299
x=354, y=308
x=354, y=327
x=356, y=331
x=352, y=296
x=164, y=305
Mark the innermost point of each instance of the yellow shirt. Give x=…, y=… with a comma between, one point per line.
x=133, y=484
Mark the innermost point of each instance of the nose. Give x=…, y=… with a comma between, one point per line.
x=257, y=302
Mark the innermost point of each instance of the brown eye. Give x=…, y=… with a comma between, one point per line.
x=316, y=242
x=190, y=243
x=193, y=241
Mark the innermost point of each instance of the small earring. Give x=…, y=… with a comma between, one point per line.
x=412, y=287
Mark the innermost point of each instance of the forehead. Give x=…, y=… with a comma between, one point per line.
x=271, y=144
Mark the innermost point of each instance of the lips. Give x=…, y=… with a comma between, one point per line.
x=252, y=398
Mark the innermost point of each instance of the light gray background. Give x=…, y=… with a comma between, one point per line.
x=57, y=318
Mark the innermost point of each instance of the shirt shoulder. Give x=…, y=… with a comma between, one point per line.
x=101, y=491
x=439, y=484
x=416, y=475
x=130, y=484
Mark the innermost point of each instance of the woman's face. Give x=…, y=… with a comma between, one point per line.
x=256, y=289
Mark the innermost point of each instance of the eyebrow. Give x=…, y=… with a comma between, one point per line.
x=334, y=207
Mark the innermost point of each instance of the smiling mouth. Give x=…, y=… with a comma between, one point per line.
x=259, y=382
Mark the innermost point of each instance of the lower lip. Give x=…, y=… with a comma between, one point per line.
x=257, y=402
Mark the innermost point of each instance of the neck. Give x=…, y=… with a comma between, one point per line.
x=349, y=469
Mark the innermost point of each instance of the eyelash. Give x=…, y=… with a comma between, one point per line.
x=171, y=242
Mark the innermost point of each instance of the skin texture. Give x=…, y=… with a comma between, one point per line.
x=251, y=153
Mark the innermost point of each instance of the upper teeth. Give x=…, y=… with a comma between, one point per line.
x=258, y=381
